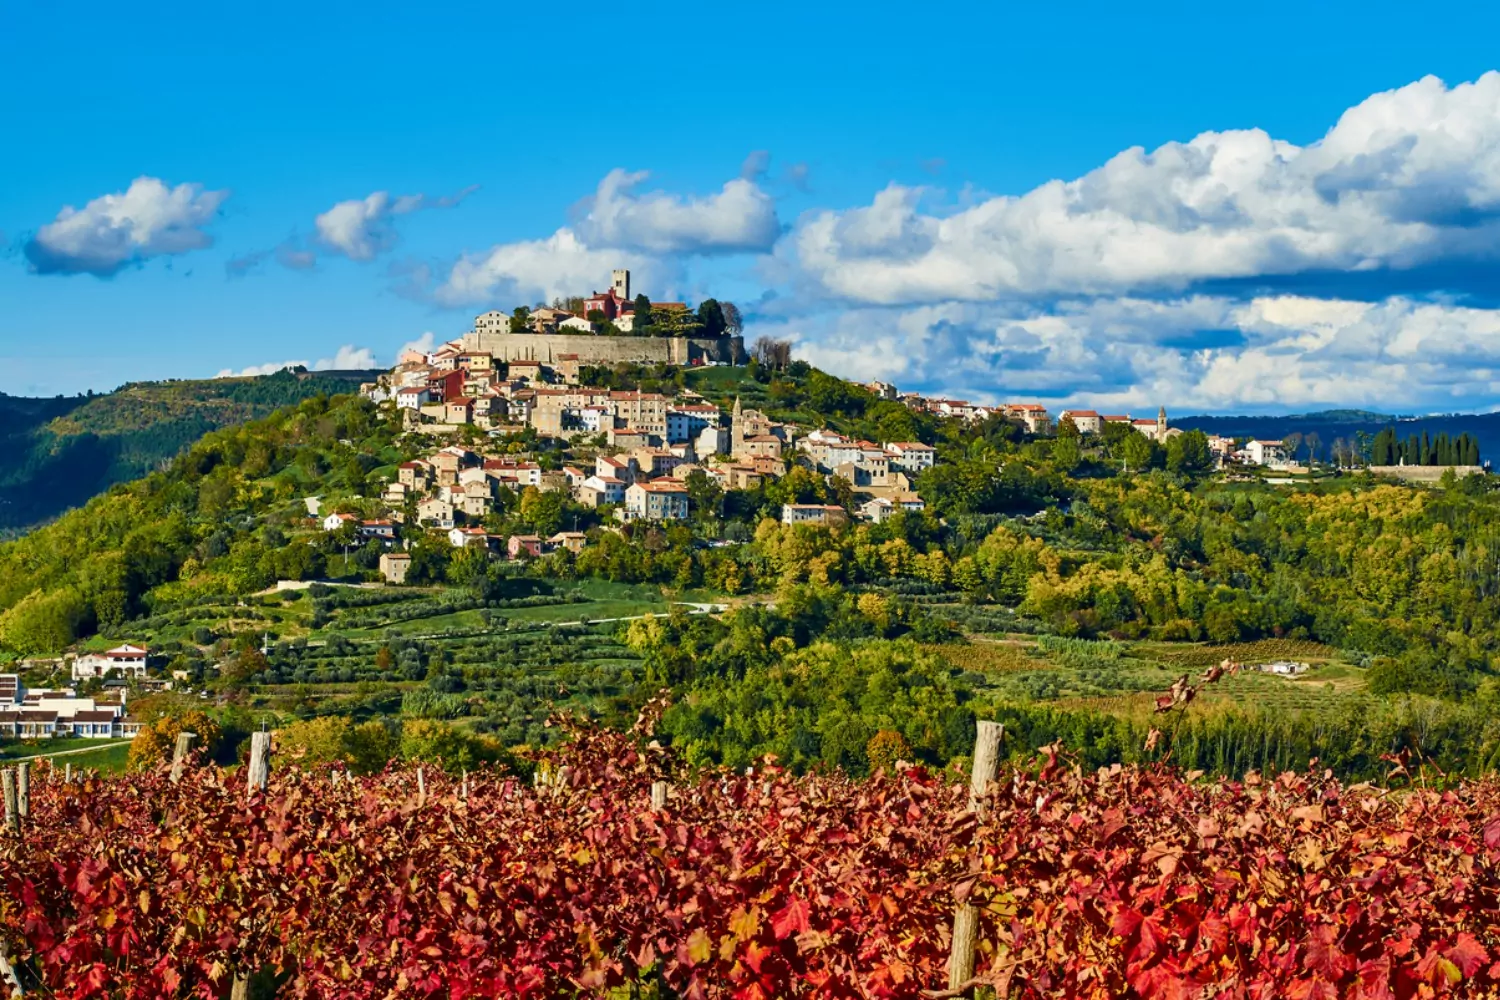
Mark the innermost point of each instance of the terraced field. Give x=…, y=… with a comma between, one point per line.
x=1124, y=678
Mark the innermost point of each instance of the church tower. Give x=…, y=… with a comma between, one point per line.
x=736, y=429
x=620, y=283
x=1161, y=425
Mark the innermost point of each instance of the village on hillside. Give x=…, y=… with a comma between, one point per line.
x=642, y=447
x=480, y=407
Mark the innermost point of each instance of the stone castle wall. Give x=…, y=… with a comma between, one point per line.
x=595, y=350
x=1425, y=473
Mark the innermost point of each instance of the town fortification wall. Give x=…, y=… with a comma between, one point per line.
x=597, y=350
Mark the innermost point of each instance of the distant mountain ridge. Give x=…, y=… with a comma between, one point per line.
x=1331, y=424
x=56, y=453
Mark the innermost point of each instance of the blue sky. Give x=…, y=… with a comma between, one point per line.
x=873, y=181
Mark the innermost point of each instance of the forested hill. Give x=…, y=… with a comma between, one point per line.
x=1330, y=425
x=57, y=453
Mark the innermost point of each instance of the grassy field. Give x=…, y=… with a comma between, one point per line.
x=105, y=760
x=1124, y=678
x=85, y=754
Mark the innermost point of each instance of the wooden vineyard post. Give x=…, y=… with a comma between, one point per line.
x=966, y=916
x=68, y=773
x=260, y=762
x=259, y=776
x=180, y=752
x=463, y=789
x=986, y=763
x=8, y=973
x=8, y=786
x=659, y=792
x=23, y=791
x=421, y=789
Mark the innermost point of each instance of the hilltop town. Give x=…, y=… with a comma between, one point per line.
x=633, y=452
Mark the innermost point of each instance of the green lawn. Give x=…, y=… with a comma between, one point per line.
x=593, y=611
x=109, y=757
x=106, y=760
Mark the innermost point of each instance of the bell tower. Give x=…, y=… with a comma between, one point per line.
x=620, y=282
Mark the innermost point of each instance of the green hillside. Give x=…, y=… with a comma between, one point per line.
x=57, y=453
x=1042, y=585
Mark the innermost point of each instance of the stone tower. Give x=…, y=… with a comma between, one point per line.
x=1161, y=425
x=736, y=429
x=620, y=282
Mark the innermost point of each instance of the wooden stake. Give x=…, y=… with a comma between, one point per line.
x=68, y=773
x=180, y=752
x=986, y=763
x=659, y=793
x=421, y=789
x=23, y=791
x=8, y=973
x=260, y=762
x=8, y=787
x=260, y=775
x=966, y=917
x=965, y=938
x=463, y=789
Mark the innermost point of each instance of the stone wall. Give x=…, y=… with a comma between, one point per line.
x=1425, y=473
x=595, y=350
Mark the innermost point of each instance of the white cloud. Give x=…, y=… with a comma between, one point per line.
x=739, y=218
x=346, y=358
x=530, y=270
x=1405, y=178
x=422, y=345
x=148, y=219
x=1204, y=353
x=362, y=228
x=615, y=228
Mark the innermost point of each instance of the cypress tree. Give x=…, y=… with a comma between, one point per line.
x=1383, y=451
x=1424, y=457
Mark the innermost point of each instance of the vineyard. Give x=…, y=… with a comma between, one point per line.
x=1124, y=882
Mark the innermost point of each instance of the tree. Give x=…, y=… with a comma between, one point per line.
x=704, y=495
x=734, y=323
x=156, y=741
x=1188, y=453
x=1137, y=450
x=1313, y=441
x=771, y=353
x=43, y=622
x=1065, y=452
x=642, y=314
x=542, y=511
x=1293, y=443
x=711, y=318
x=520, y=319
